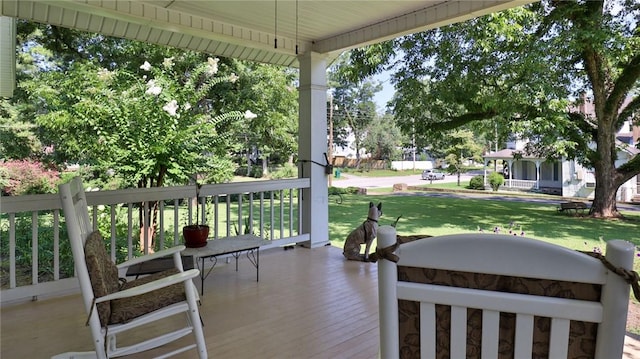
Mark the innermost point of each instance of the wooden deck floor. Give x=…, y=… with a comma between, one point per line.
x=308, y=304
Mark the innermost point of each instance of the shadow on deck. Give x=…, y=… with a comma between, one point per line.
x=308, y=304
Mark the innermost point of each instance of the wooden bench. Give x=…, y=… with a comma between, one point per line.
x=572, y=206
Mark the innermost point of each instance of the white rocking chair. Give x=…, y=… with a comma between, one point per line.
x=114, y=307
x=499, y=296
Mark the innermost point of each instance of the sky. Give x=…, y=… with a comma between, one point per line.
x=382, y=97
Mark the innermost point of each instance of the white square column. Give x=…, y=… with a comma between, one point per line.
x=312, y=146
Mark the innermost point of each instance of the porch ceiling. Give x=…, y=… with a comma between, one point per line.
x=247, y=29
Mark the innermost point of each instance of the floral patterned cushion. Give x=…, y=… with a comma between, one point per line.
x=103, y=273
x=126, y=309
x=581, y=337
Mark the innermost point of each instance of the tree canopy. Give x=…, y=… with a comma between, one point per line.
x=145, y=113
x=523, y=69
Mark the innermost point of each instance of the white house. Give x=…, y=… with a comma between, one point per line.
x=564, y=177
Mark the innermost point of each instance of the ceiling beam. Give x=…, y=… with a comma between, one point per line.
x=149, y=23
x=431, y=17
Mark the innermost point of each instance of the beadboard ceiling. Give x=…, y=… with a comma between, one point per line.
x=247, y=29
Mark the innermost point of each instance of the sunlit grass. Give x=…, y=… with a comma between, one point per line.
x=440, y=215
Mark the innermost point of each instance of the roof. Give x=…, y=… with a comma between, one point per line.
x=507, y=154
x=247, y=29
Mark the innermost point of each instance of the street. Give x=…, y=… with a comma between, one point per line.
x=350, y=180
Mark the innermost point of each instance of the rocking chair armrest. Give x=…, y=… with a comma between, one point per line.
x=159, y=254
x=151, y=286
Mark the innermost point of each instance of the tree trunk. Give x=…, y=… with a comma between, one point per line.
x=608, y=180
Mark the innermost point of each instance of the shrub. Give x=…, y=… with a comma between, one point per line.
x=338, y=190
x=495, y=180
x=26, y=177
x=256, y=172
x=241, y=171
x=286, y=171
x=477, y=182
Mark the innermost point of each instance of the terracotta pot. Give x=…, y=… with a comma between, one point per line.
x=195, y=235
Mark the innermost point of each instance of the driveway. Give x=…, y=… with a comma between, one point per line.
x=350, y=180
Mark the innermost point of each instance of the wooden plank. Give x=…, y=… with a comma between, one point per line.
x=490, y=333
x=308, y=304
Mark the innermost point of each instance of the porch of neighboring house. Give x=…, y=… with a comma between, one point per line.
x=524, y=172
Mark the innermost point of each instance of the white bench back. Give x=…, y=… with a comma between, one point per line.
x=510, y=256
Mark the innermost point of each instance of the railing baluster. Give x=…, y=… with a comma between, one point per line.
x=240, y=224
x=250, y=212
x=281, y=214
x=228, y=215
x=290, y=212
x=56, y=244
x=113, y=233
x=176, y=221
x=34, y=247
x=262, y=215
x=129, y=230
x=12, y=250
x=216, y=200
x=300, y=191
x=271, y=215
x=161, y=224
x=144, y=230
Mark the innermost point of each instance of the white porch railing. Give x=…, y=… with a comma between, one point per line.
x=517, y=183
x=36, y=259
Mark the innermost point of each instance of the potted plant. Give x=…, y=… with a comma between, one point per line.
x=195, y=235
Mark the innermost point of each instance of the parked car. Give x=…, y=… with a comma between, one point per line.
x=432, y=175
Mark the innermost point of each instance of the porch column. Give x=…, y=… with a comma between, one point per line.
x=7, y=56
x=312, y=146
x=537, y=174
x=484, y=177
x=510, y=164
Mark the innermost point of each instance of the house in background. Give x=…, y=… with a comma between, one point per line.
x=565, y=177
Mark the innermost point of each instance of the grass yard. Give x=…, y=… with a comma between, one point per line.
x=441, y=215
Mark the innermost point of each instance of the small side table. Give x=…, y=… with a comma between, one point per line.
x=227, y=245
x=158, y=265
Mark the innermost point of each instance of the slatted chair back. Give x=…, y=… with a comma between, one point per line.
x=79, y=227
x=116, y=307
x=500, y=296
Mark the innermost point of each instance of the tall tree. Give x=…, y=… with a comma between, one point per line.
x=146, y=128
x=269, y=92
x=461, y=146
x=603, y=42
x=522, y=67
x=384, y=139
x=354, y=108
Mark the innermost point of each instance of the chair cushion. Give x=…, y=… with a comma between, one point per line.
x=582, y=335
x=126, y=309
x=103, y=273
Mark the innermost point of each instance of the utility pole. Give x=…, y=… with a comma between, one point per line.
x=413, y=143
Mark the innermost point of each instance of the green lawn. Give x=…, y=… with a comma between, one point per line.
x=438, y=216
